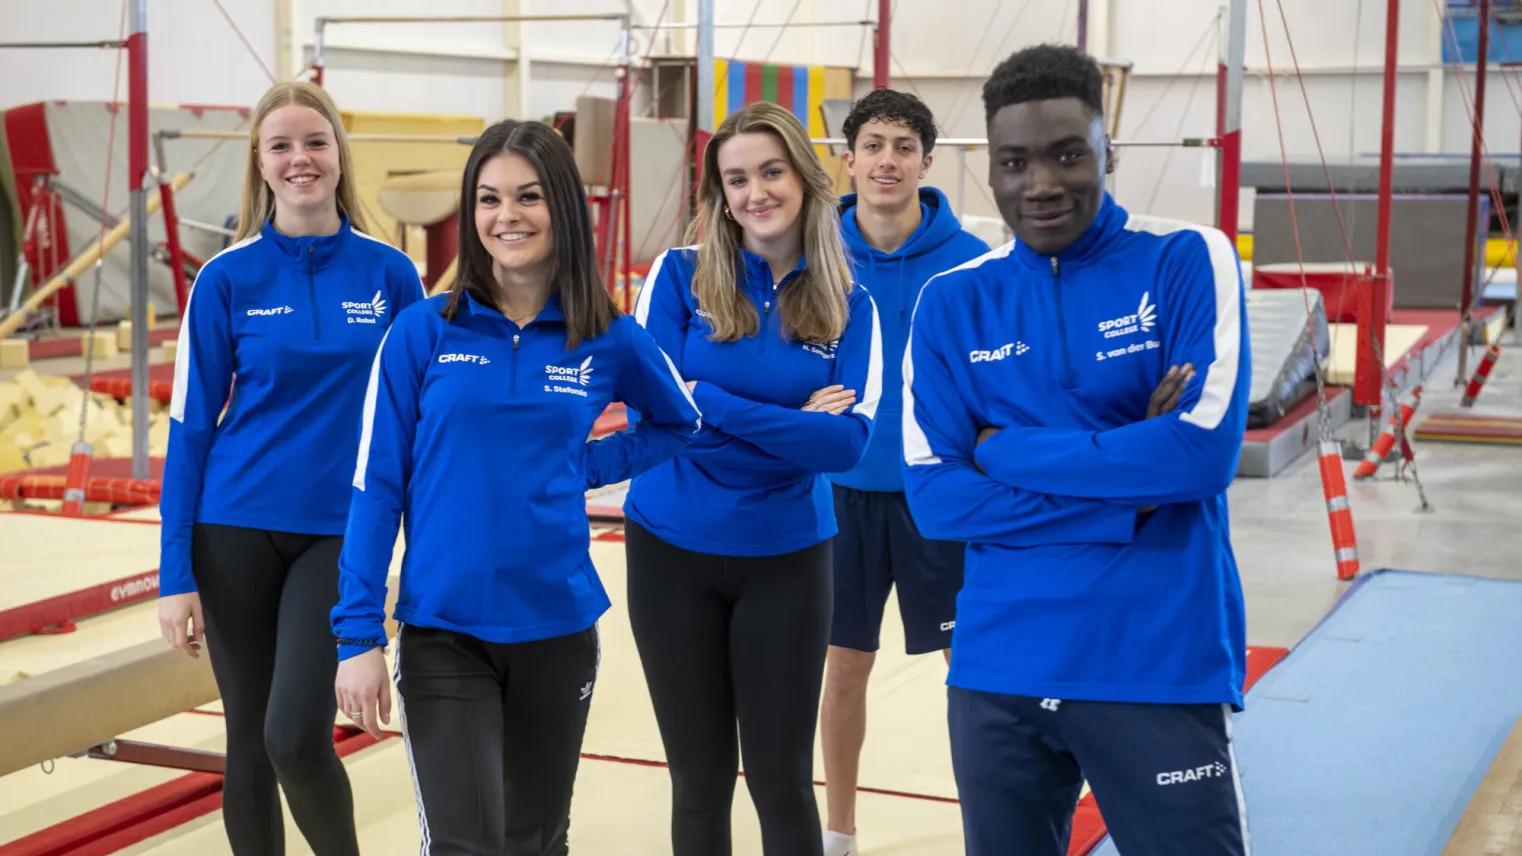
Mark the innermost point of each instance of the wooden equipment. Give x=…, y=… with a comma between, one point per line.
x=1492, y=824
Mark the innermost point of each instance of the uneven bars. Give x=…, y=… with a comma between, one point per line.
x=107, y=44
x=319, y=39
x=971, y=142
x=354, y=138
x=688, y=25
x=475, y=19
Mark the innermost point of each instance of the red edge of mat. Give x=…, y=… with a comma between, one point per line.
x=64, y=609
x=156, y=810
x=134, y=819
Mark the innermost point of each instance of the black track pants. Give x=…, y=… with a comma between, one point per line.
x=494, y=735
x=266, y=598
x=726, y=640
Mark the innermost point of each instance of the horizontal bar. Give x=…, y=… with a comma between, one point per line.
x=110, y=44
x=688, y=25
x=976, y=143
x=207, y=227
x=474, y=19
x=353, y=138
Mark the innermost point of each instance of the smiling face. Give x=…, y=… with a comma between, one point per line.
x=298, y=158
x=511, y=215
x=763, y=191
x=888, y=163
x=1046, y=168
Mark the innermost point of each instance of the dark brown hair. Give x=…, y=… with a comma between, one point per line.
x=589, y=309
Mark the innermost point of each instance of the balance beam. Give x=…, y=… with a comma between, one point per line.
x=78, y=707
x=1492, y=824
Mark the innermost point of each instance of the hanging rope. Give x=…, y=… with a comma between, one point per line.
x=1386, y=384
x=237, y=31
x=84, y=410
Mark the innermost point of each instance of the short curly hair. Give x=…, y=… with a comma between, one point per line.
x=893, y=106
x=1041, y=73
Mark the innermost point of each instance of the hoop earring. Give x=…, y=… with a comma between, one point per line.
x=728, y=213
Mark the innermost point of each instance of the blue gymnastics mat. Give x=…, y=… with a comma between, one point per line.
x=1373, y=734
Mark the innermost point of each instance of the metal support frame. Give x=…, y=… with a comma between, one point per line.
x=882, y=53
x=1369, y=371
x=1472, y=211
x=138, y=177
x=1229, y=76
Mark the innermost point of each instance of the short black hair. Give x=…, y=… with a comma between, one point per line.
x=1041, y=73
x=588, y=307
x=890, y=105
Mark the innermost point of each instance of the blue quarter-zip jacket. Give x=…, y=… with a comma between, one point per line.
x=752, y=483
x=297, y=322
x=894, y=280
x=475, y=435
x=1071, y=591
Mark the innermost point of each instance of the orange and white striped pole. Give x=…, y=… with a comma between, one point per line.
x=1481, y=372
x=1339, y=511
x=1382, y=446
x=78, y=478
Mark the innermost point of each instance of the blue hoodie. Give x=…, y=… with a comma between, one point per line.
x=1071, y=590
x=894, y=280
x=752, y=483
x=297, y=320
x=475, y=433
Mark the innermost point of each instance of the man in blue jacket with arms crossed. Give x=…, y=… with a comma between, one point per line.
x=1074, y=404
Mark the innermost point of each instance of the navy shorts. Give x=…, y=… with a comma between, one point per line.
x=879, y=546
x=1164, y=776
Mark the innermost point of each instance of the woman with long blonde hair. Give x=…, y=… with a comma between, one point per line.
x=255, y=499
x=728, y=544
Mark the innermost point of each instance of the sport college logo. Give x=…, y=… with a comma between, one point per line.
x=366, y=313
x=1142, y=322
x=560, y=377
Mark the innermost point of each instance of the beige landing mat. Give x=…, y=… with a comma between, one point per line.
x=1399, y=338
x=620, y=809
x=46, y=556
x=30, y=656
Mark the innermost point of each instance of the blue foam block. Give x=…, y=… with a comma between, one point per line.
x=1373, y=734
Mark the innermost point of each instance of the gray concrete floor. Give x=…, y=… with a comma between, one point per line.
x=1283, y=541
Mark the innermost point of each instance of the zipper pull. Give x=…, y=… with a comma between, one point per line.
x=515, y=341
x=1054, y=265
x=768, y=308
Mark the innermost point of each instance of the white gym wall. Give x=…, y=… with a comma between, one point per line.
x=492, y=70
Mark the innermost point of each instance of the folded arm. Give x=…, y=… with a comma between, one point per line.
x=815, y=441
x=947, y=494
x=1186, y=455
x=669, y=418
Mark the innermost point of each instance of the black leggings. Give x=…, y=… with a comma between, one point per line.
x=734, y=639
x=266, y=597
x=494, y=735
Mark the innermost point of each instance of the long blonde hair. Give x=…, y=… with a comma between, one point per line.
x=258, y=199
x=813, y=305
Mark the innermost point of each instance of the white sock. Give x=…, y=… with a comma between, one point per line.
x=839, y=844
